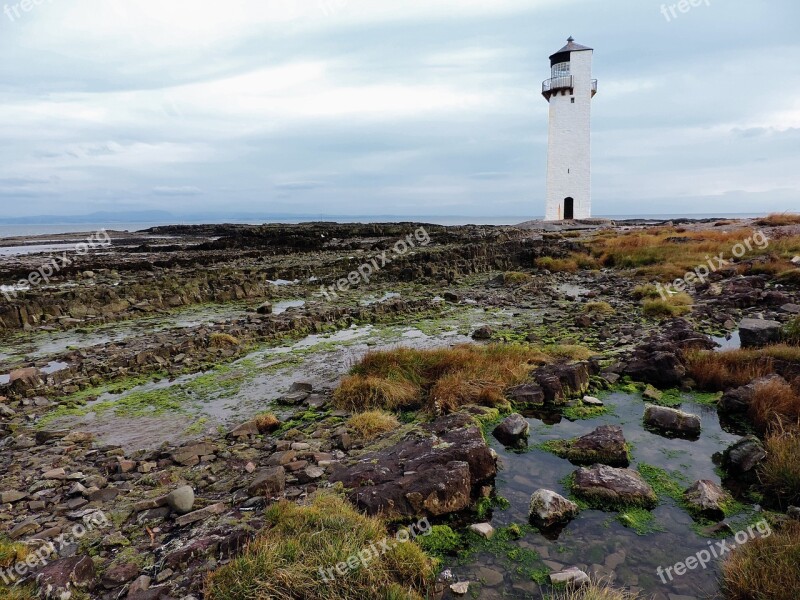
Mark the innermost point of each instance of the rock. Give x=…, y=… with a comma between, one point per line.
x=293, y=398
x=203, y=513
x=265, y=309
x=59, y=579
x=57, y=474
x=651, y=393
x=717, y=530
x=482, y=529
x=282, y=458
x=119, y=575
x=570, y=577
x=560, y=382
x=460, y=589
x=452, y=297
x=706, y=499
x=755, y=333
x=528, y=394
x=435, y=471
x=269, y=483
x=793, y=513
x=27, y=527
x=141, y=584
x=244, y=430
x=744, y=455
x=189, y=456
x=23, y=380
x=513, y=431
x=592, y=401
x=11, y=497
x=792, y=309
x=181, y=500
x=301, y=386
x=672, y=420
x=609, y=486
x=605, y=445
x=483, y=333
x=796, y=260
x=548, y=508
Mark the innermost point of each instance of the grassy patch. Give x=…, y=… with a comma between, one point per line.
x=765, y=568
x=285, y=559
x=791, y=332
x=515, y=278
x=598, y=308
x=675, y=305
x=775, y=404
x=592, y=591
x=373, y=423
x=641, y=520
x=441, y=541
x=779, y=220
x=664, y=483
x=522, y=561
x=780, y=472
x=557, y=265
x=582, y=412
x=440, y=380
x=719, y=371
x=267, y=422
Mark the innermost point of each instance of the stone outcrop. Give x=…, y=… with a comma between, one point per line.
x=706, y=499
x=605, y=486
x=755, y=333
x=672, y=420
x=432, y=472
x=548, y=508
x=513, y=431
x=605, y=445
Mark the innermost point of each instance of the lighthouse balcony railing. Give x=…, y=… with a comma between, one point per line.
x=565, y=82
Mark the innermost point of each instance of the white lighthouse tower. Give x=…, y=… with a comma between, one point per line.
x=569, y=91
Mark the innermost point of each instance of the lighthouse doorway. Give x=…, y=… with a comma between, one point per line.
x=569, y=209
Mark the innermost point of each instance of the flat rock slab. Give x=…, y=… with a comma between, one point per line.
x=605, y=445
x=672, y=421
x=606, y=486
x=569, y=577
x=755, y=333
x=433, y=471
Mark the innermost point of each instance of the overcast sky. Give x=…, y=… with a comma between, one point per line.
x=391, y=107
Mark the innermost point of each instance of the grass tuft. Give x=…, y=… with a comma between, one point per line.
x=440, y=380
x=780, y=471
x=373, y=423
x=764, y=568
x=284, y=562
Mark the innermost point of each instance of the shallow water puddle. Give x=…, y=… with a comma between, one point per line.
x=732, y=341
x=596, y=541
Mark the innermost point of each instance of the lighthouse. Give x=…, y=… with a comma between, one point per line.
x=569, y=90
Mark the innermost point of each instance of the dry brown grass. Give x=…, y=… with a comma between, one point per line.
x=439, y=380
x=765, y=568
x=557, y=265
x=668, y=253
x=283, y=562
x=223, y=340
x=593, y=591
x=779, y=220
x=775, y=405
x=267, y=422
x=719, y=371
x=780, y=472
x=373, y=423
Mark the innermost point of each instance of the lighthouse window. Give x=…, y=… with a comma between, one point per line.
x=561, y=69
x=573, y=100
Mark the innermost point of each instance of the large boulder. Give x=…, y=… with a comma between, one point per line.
x=513, y=431
x=23, y=380
x=744, y=455
x=548, y=508
x=605, y=445
x=755, y=333
x=563, y=381
x=672, y=420
x=706, y=499
x=436, y=470
x=610, y=487
x=527, y=394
